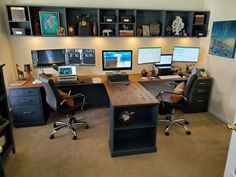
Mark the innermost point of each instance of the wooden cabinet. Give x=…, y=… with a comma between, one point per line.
x=112, y=22
x=6, y=135
x=27, y=106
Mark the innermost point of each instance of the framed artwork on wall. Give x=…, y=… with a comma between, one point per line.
x=223, y=39
x=49, y=22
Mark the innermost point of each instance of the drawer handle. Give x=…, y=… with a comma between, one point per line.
x=199, y=101
x=28, y=112
x=25, y=101
x=202, y=83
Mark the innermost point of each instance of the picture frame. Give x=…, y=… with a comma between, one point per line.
x=199, y=19
x=146, y=30
x=223, y=39
x=49, y=23
x=18, y=13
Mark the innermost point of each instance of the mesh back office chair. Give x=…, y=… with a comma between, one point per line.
x=167, y=107
x=57, y=104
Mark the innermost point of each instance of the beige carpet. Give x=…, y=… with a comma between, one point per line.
x=203, y=154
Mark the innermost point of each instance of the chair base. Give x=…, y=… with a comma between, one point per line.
x=69, y=124
x=179, y=122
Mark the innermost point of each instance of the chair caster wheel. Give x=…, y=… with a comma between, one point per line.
x=167, y=133
x=186, y=122
x=54, y=125
x=188, y=132
x=51, y=136
x=86, y=127
x=74, y=137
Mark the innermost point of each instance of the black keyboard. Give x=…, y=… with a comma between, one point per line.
x=65, y=82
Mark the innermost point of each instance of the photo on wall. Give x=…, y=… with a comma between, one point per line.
x=223, y=39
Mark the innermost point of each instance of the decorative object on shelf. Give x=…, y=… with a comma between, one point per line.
x=71, y=31
x=168, y=30
x=37, y=31
x=125, y=27
x=139, y=31
x=153, y=72
x=144, y=73
x=18, y=31
x=177, y=26
x=20, y=73
x=199, y=19
x=27, y=69
x=109, y=19
x=155, y=29
x=49, y=23
x=126, y=19
x=18, y=13
x=83, y=20
x=107, y=32
x=126, y=117
x=126, y=33
x=146, y=31
x=61, y=31
x=95, y=28
x=185, y=34
x=223, y=38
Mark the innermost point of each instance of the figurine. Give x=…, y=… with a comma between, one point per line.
x=27, y=69
x=126, y=117
x=106, y=32
x=177, y=25
x=20, y=73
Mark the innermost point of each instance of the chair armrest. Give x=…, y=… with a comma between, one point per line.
x=170, y=92
x=66, y=89
x=78, y=95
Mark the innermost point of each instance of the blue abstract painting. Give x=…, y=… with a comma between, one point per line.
x=223, y=39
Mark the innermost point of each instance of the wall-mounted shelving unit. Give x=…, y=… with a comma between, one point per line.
x=110, y=22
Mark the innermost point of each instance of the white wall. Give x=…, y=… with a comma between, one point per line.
x=222, y=102
x=5, y=51
x=21, y=46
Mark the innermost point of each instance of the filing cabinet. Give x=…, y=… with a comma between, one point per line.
x=27, y=108
x=199, y=96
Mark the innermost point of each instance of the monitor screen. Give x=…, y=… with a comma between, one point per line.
x=186, y=54
x=80, y=57
x=165, y=60
x=149, y=55
x=67, y=70
x=45, y=58
x=117, y=59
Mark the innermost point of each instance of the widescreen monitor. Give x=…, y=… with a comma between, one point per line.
x=117, y=59
x=148, y=55
x=45, y=58
x=80, y=57
x=165, y=60
x=186, y=54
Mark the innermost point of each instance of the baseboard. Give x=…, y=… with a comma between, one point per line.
x=218, y=116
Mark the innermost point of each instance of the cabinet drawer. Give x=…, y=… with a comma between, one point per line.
x=23, y=100
x=24, y=92
x=203, y=83
x=199, y=103
x=27, y=114
x=202, y=90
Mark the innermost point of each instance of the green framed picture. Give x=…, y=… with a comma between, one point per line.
x=49, y=22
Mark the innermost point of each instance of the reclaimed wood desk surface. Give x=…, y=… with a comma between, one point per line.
x=129, y=94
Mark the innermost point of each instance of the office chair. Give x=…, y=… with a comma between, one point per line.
x=58, y=104
x=167, y=106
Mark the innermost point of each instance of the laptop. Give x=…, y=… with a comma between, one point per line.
x=67, y=74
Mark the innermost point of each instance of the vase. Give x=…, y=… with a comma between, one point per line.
x=95, y=28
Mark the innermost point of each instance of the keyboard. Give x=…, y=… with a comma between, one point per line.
x=170, y=77
x=66, y=82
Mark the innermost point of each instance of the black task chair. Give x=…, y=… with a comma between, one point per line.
x=58, y=104
x=167, y=106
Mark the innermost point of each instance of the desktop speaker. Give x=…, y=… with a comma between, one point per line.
x=117, y=77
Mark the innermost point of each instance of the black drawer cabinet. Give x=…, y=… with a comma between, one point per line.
x=199, y=96
x=27, y=108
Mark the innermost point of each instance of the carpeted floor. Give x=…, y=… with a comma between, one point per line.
x=203, y=154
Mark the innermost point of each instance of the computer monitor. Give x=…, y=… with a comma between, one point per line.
x=67, y=70
x=45, y=58
x=80, y=57
x=165, y=60
x=148, y=55
x=117, y=59
x=186, y=54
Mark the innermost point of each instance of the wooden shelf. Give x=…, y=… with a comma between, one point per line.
x=138, y=18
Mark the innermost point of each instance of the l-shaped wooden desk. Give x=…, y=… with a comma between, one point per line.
x=29, y=108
